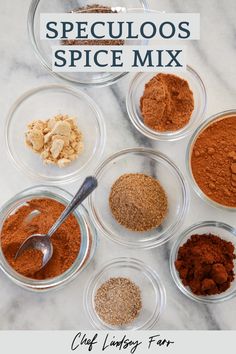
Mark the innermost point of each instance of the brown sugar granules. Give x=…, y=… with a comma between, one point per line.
x=93, y=9
x=118, y=301
x=138, y=202
x=167, y=103
x=65, y=241
x=206, y=264
x=213, y=161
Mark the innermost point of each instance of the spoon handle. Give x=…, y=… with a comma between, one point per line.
x=90, y=183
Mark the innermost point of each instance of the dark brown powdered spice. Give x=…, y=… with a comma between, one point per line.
x=138, y=202
x=93, y=9
x=206, y=264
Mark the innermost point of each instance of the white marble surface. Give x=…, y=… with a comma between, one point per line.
x=214, y=58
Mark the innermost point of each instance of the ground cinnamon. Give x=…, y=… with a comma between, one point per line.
x=167, y=103
x=66, y=240
x=213, y=161
x=206, y=264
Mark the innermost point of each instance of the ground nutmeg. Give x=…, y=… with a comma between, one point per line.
x=138, y=202
x=66, y=240
x=206, y=264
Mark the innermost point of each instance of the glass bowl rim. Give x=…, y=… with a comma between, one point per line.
x=164, y=136
x=72, y=91
x=119, y=262
x=69, y=274
x=184, y=188
x=213, y=118
x=174, y=273
x=30, y=28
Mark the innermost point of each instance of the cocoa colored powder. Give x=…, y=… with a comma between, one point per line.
x=167, y=103
x=206, y=264
x=93, y=9
x=138, y=202
x=213, y=161
x=65, y=241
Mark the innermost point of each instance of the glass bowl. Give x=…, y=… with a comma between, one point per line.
x=198, y=131
x=43, y=103
x=152, y=291
x=149, y=162
x=136, y=91
x=88, y=238
x=220, y=229
x=43, y=49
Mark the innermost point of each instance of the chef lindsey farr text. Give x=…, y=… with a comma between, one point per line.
x=106, y=341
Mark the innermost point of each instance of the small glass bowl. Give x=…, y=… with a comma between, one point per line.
x=152, y=292
x=88, y=238
x=220, y=229
x=198, y=131
x=43, y=49
x=136, y=91
x=149, y=162
x=43, y=103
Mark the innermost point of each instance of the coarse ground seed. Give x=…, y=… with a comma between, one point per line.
x=118, y=301
x=93, y=9
x=138, y=202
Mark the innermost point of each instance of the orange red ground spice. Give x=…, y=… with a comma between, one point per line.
x=167, y=103
x=66, y=240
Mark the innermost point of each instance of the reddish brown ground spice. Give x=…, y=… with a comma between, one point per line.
x=66, y=240
x=167, y=103
x=206, y=264
x=213, y=161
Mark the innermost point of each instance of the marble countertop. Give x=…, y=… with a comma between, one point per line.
x=214, y=58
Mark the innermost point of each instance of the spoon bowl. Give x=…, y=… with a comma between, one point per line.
x=39, y=242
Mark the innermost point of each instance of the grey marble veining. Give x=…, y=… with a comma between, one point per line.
x=214, y=59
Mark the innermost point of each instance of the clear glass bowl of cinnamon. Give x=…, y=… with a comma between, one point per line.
x=211, y=160
x=166, y=106
x=74, y=243
x=219, y=233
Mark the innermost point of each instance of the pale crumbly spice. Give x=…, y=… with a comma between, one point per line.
x=138, y=202
x=118, y=301
x=58, y=140
x=93, y=9
x=167, y=103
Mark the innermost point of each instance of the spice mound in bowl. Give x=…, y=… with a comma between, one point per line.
x=118, y=301
x=167, y=103
x=206, y=264
x=58, y=140
x=25, y=222
x=138, y=202
x=213, y=161
x=93, y=9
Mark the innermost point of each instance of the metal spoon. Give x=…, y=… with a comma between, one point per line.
x=43, y=242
